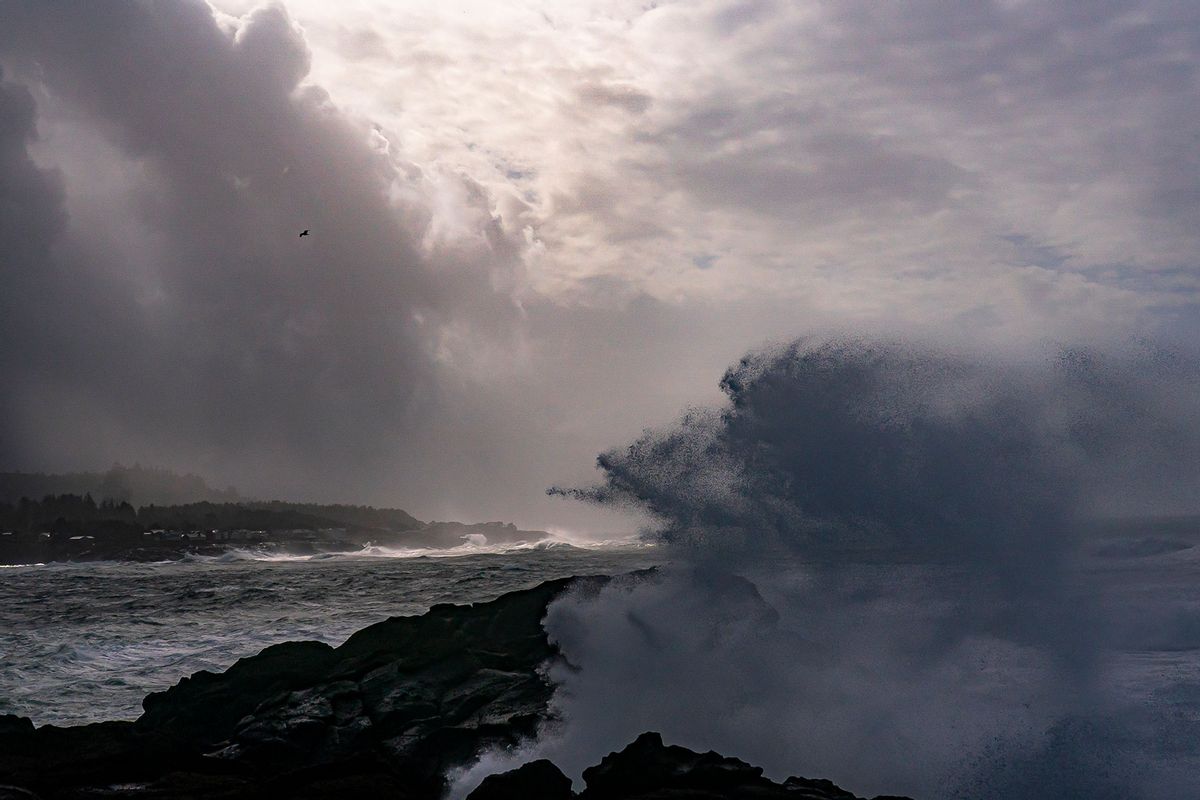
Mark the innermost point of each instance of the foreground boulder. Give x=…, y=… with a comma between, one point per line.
x=538, y=779
x=650, y=770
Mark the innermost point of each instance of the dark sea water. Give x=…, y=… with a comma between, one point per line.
x=86, y=642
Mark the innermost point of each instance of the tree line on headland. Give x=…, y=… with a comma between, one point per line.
x=71, y=527
x=133, y=523
x=77, y=515
x=138, y=499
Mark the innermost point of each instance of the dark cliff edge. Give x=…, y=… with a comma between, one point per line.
x=387, y=713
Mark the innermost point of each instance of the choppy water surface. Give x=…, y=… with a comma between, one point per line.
x=85, y=642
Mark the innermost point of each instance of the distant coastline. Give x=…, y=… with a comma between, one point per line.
x=76, y=525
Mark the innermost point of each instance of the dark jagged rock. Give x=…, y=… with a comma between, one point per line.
x=647, y=767
x=649, y=770
x=537, y=780
x=12, y=725
x=207, y=706
x=387, y=712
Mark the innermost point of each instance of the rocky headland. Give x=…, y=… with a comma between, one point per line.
x=386, y=714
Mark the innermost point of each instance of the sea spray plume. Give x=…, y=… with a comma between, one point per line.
x=847, y=446
x=912, y=516
x=846, y=450
x=684, y=477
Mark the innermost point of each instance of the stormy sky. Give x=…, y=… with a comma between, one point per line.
x=539, y=227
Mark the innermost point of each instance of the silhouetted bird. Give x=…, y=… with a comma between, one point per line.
x=304, y=232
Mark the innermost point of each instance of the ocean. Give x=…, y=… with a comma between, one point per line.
x=86, y=642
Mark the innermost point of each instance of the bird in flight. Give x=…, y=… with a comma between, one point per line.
x=304, y=232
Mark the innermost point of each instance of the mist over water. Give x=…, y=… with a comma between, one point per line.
x=888, y=570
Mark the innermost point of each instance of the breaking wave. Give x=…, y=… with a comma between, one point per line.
x=474, y=546
x=882, y=575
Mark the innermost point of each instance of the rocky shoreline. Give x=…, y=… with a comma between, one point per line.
x=387, y=713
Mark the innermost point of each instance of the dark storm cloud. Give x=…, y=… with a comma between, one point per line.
x=244, y=343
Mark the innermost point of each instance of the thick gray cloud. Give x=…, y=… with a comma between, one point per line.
x=240, y=341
